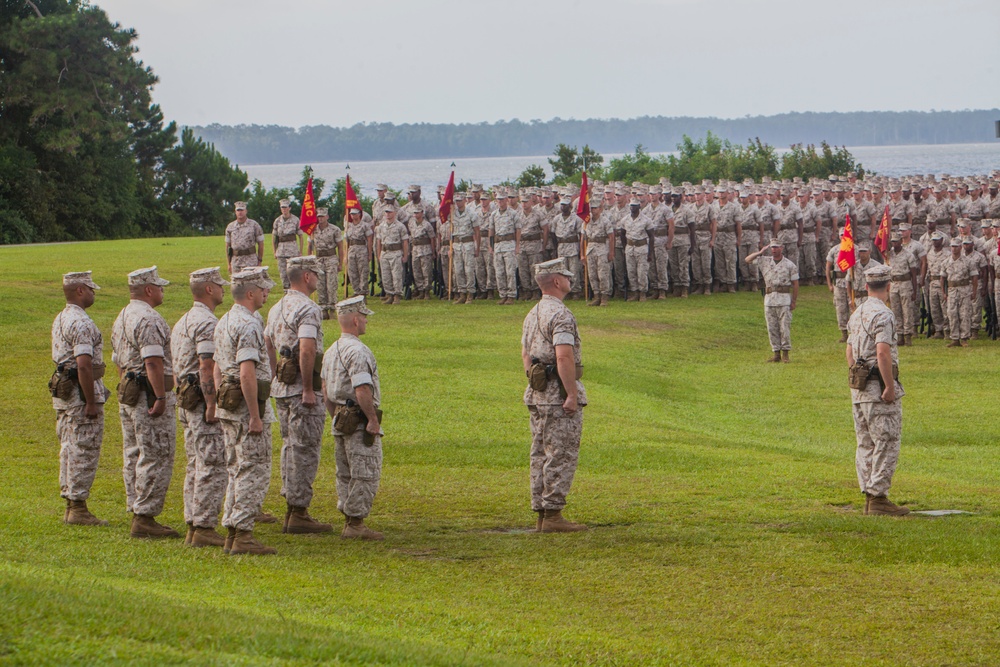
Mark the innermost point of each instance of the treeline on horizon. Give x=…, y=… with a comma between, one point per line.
x=274, y=144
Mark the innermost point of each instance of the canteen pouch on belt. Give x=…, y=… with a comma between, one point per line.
x=189, y=394
x=230, y=396
x=263, y=394
x=538, y=376
x=64, y=383
x=347, y=418
x=858, y=374
x=286, y=370
x=369, y=439
x=130, y=388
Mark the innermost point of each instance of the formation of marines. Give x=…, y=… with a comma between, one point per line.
x=217, y=376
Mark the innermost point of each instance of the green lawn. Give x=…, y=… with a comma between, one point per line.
x=721, y=493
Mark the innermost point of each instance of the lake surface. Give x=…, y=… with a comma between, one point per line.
x=954, y=159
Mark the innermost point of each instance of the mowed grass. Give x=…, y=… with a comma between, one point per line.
x=726, y=523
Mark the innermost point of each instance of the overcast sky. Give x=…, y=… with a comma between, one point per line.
x=326, y=62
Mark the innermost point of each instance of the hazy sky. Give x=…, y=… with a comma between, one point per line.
x=315, y=62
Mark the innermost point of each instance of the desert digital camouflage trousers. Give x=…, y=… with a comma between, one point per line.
x=725, y=264
x=283, y=272
x=779, y=327
x=205, y=476
x=241, y=262
x=486, y=277
x=423, y=271
x=659, y=268
x=599, y=272
x=637, y=265
x=878, y=427
x=809, y=265
x=358, y=269
x=701, y=264
x=680, y=266
x=749, y=273
x=391, y=270
x=79, y=451
x=359, y=469
x=505, y=265
x=939, y=308
x=960, y=312
x=842, y=304
x=302, y=439
x=525, y=262
x=148, y=445
x=618, y=264
x=248, y=464
x=464, y=268
x=328, y=284
x=555, y=449
x=901, y=301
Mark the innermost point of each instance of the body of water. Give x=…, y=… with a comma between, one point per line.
x=953, y=159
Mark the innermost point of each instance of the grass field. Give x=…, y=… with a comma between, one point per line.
x=725, y=515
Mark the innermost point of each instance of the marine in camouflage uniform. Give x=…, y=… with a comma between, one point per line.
x=465, y=242
x=415, y=202
x=550, y=337
x=141, y=340
x=705, y=222
x=534, y=225
x=638, y=229
x=351, y=382
x=878, y=413
x=936, y=257
x=505, y=230
x=294, y=336
x=567, y=227
x=359, y=237
x=978, y=261
x=904, y=268
x=865, y=262
x=423, y=249
x=811, y=231
x=600, y=235
x=659, y=269
x=961, y=280
x=78, y=350
x=326, y=245
x=286, y=239
x=781, y=280
x=750, y=238
x=392, y=245
x=244, y=241
x=789, y=230
x=192, y=346
x=680, y=248
x=246, y=429
x=486, y=278
x=726, y=245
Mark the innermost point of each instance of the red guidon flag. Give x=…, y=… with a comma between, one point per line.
x=583, y=206
x=882, y=237
x=846, y=258
x=308, y=219
x=350, y=199
x=447, y=200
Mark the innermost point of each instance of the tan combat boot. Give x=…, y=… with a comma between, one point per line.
x=386, y=299
x=538, y=523
x=554, y=522
x=300, y=523
x=77, y=514
x=264, y=517
x=189, y=533
x=784, y=356
x=207, y=537
x=774, y=359
x=953, y=343
x=900, y=340
x=964, y=342
x=230, y=536
x=489, y=294
x=631, y=296
x=397, y=299
x=731, y=288
x=357, y=530
x=843, y=337
x=908, y=340
x=146, y=527
x=460, y=300
x=604, y=300
x=469, y=297
x=244, y=543
x=882, y=506
x=642, y=296
x=684, y=293
x=596, y=301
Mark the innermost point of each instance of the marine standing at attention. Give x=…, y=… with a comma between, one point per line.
x=244, y=241
x=78, y=396
x=550, y=352
x=872, y=357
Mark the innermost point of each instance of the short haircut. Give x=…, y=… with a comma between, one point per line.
x=295, y=274
x=878, y=285
x=240, y=291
